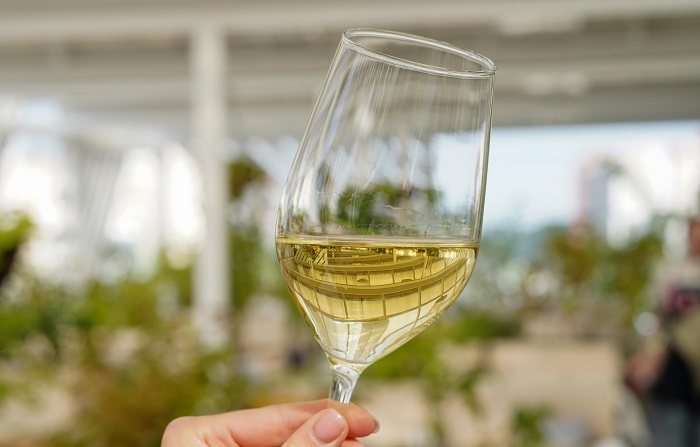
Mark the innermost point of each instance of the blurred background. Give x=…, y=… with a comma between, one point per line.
x=143, y=148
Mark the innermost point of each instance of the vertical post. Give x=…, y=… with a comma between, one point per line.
x=208, y=106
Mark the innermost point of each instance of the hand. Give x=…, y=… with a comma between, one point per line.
x=303, y=424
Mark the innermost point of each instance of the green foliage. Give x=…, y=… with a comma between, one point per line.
x=417, y=359
x=357, y=209
x=125, y=353
x=38, y=313
x=242, y=173
x=129, y=402
x=15, y=228
x=591, y=271
x=252, y=270
x=17, y=323
x=574, y=253
x=479, y=325
x=628, y=273
x=526, y=426
x=245, y=264
x=467, y=384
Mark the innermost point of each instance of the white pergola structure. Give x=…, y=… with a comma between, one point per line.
x=211, y=69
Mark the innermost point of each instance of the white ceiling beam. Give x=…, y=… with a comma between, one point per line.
x=283, y=85
x=307, y=18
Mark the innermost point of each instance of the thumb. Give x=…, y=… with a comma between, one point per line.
x=326, y=428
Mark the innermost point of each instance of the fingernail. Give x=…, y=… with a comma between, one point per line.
x=329, y=426
x=376, y=425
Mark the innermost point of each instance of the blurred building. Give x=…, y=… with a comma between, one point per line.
x=623, y=191
x=105, y=200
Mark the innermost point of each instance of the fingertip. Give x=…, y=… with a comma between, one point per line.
x=361, y=422
x=329, y=426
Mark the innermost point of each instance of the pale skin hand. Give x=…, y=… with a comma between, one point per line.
x=303, y=424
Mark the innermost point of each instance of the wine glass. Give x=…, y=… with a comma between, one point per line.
x=380, y=220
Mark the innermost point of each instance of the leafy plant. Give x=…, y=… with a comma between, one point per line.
x=527, y=426
x=15, y=229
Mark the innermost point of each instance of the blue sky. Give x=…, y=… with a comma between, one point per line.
x=534, y=171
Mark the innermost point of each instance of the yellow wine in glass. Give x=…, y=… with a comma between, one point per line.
x=380, y=220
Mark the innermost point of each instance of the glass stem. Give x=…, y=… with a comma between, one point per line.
x=342, y=386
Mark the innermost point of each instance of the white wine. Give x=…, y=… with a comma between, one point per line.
x=365, y=300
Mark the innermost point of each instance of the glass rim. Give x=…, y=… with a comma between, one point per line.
x=488, y=67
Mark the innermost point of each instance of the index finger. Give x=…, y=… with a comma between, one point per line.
x=271, y=426
x=278, y=422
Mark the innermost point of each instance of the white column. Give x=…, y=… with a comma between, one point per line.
x=211, y=274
